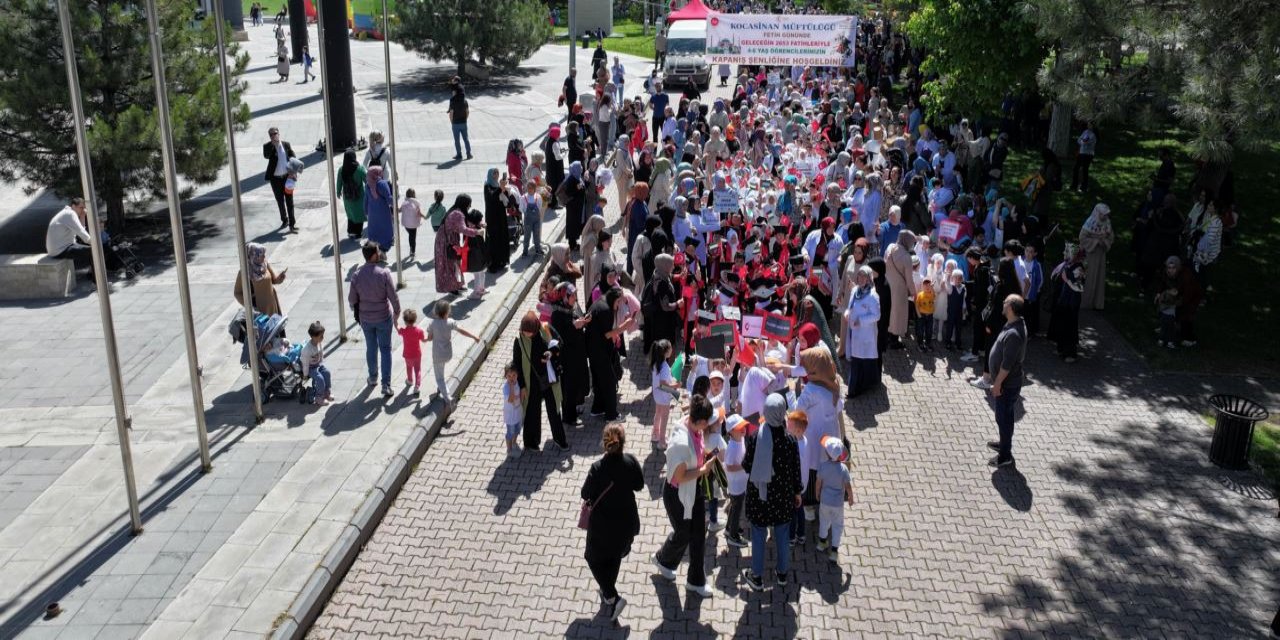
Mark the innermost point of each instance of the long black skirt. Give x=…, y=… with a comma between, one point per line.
x=864, y=375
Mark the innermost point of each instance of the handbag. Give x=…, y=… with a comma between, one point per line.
x=539, y=377
x=584, y=513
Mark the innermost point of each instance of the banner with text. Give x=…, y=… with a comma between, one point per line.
x=744, y=38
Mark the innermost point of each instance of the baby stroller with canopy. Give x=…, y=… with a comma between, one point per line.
x=279, y=361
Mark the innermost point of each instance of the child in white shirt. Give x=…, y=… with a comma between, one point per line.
x=313, y=365
x=512, y=413
x=665, y=389
x=411, y=216
x=734, y=454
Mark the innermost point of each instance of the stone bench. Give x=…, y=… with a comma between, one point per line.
x=26, y=276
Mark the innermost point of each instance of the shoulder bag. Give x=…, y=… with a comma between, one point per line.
x=584, y=513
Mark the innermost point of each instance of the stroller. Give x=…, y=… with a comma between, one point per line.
x=279, y=361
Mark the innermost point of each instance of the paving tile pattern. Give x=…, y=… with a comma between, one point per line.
x=25, y=473
x=123, y=587
x=1113, y=525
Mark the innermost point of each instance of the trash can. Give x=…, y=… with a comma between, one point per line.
x=1233, y=433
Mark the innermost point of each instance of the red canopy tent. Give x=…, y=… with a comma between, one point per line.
x=695, y=10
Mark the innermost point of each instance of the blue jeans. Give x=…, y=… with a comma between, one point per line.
x=377, y=338
x=781, y=545
x=321, y=380
x=532, y=228
x=1005, y=404
x=460, y=131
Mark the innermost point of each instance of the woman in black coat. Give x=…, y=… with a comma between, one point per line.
x=602, y=352
x=495, y=218
x=610, y=488
x=554, y=154
x=575, y=192
x=569, y=322
x=773, y=492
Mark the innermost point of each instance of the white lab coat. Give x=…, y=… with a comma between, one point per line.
x=861, y=318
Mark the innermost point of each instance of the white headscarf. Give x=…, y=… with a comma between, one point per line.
x=1099, y=221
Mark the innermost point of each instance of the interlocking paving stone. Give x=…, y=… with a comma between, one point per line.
x=1114, y=523
x=26, y=472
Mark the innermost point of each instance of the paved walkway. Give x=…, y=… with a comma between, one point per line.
x=1113, y=525
x=225, y=554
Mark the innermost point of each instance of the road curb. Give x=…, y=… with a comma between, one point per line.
x=326, y=577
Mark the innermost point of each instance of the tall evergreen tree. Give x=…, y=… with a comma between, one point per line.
x=485, y=31
x=37, y=138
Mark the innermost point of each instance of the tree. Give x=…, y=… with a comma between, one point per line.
x=977, y=52
x=500, y=33
x=37, y=137
x=1212, y=66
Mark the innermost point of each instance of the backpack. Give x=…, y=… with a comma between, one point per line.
x=376, y=161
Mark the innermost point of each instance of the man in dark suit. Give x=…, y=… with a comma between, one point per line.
x=278, y=152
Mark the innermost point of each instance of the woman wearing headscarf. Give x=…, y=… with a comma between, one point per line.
x=516, y=162
x=574, y=141
x=377, y=208
x=661, y=303
x=495, y=218
x=822, y=249
x=449, y=242
x=808, y=309
x=684, y=491
x=772, y=463
x=262, y=281
x=820, y=400
x=601, y=351
x=553, y=149
x=660, y=191
x=533, y=360
x=634, y=213
x=351, y=189
x=902, y=284
x=639, y=252
x=1096, y=238
x=1068, y=280
x=569, y=324
x=574, y=191
x=859, y=324
x=623, y=166
x=644, y=167
x=590, y=240
x=881, y=285
x=610, y=489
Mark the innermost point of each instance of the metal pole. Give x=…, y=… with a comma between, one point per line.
x=391, y=133
x=251, y=334
x=175, y=226
x=573, y=36
x=333, y=193
x=99, y=266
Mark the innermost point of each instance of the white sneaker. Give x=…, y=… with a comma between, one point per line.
x=969, y=357
x=663, y=571
x=702, y=590
x=980, y=383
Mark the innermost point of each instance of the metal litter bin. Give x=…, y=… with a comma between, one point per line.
x=1233, y=433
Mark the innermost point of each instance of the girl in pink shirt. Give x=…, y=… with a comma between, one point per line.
x=413, y=336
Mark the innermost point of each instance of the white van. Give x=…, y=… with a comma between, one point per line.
x=686, y=60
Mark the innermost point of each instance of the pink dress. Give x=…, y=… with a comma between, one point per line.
x=449, y=268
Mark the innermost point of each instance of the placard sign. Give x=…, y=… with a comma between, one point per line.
x=948, y=231
x=711, y=347
x=726, y=201
x=753, y=326
x=724, y=329
x=777, y=327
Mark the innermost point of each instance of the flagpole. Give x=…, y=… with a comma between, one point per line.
x=99, y=265
x=391, y=142
x=175, y=226
x=333, y=193
x=228, y=122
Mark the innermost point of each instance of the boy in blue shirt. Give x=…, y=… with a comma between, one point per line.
x=834, y=490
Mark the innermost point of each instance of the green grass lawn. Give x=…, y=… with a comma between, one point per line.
x=631, y=42
x=1234, y=326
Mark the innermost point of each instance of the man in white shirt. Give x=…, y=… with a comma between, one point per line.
x=277, y=152
x=67, y=237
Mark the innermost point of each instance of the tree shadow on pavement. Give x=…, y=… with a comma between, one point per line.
x=430, y=84
x=1164, y=548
